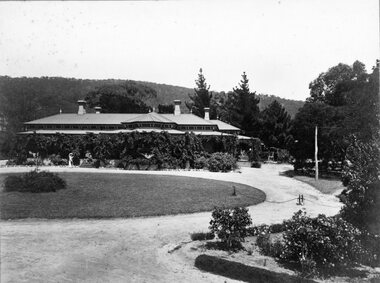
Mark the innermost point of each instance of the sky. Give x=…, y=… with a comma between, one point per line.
x=282, y=45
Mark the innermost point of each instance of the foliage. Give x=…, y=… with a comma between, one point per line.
x=328, y=241
x=230, y=225
x=228, y=144
x=273, y=229
x=165, y=150
x=35, y=182
x=255, y=164
x=331, y=141
x=276, y=126
x=267, y=246
x=57, y=160
x=201, y=162
x=166, y=108
x=220, y=161
x=201, y=236
x=343, y=101
x=361, y=175
x=128, y=97
x=201, y=97
x=243, y=108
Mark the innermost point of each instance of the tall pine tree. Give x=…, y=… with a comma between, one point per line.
x=201, y=98
x=244, y=108
x=276, y=126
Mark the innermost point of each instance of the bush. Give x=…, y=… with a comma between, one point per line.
x=57, y=160
x=256, y=164
x=35, y=182
x=361, y=175
x=220, y=161
x=30, y=162
x=201, y=236
x=328, y=241
x=267, y=247
x=275, y=228
x=201, y=162
x=13, y=183
x=230, y=225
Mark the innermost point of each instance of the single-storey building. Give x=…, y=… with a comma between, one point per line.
x=176, y=123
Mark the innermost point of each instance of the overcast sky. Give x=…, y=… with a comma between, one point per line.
x=281, y=45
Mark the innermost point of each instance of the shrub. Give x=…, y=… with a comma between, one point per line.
x=220, y=161
x=329, y=241
x=275, y=228
x=308, y=267
x=30, y=162
x=201, y=236
x=267, y=247
x=11, y=162
x=57, y=160
x=35, y=182
x=201, y=162
x=255, y=164
x=361, y=175
x=230, y=225
x=13, y=183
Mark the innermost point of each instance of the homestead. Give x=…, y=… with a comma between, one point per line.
x=108, y=123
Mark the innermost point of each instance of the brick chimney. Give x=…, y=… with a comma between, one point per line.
x=81, y=107
x=97, y=109
x=207, y=113
x=177, y=108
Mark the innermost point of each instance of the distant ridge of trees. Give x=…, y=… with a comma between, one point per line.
x=23, y=98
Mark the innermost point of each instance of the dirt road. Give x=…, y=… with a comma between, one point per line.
x=136, y=250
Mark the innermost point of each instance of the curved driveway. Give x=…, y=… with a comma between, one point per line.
x=135, y=249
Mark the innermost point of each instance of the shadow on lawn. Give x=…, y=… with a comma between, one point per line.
x=239, y=271
x=311, y=174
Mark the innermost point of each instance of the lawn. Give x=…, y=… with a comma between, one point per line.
x=94, y=195
x=326, y=185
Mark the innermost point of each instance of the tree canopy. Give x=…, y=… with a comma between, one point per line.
x=275, y=126
x=166, y=108
x=201, y=97
x=343, y=102
x=243, y=107
x=128, y=97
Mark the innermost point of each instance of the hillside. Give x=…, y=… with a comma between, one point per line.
x=24, y=99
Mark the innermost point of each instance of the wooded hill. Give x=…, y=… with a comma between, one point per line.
x=32, y=98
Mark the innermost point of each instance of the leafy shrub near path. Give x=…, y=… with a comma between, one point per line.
x=201, y=236
x=220, y=161
x=328, y=241
x=230, y=225
x=361, y=175
x=35, y=182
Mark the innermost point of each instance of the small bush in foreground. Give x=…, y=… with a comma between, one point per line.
x=201, y=236
x=34, y=182
x=230, y=225
x=267, y=247
x=328, y=241
x=220, y=161
x=273, y=229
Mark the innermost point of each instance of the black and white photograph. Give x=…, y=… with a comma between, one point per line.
x=190, y=141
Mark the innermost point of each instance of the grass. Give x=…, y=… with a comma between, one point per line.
x=330, y=185
x=90, y=195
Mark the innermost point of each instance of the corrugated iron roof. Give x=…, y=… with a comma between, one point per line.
x=149, y=117
x=187, y=119
x=224, y=126
x=102, y=118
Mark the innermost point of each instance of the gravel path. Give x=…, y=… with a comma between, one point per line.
x=135, y=250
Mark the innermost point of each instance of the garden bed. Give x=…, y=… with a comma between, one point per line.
x=250, y=266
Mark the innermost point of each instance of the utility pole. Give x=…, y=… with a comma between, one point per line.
x=316, y=152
